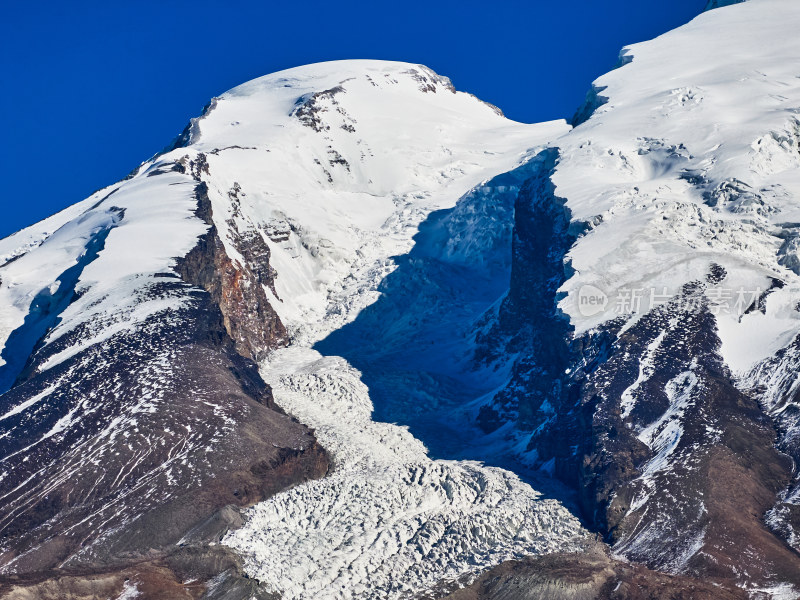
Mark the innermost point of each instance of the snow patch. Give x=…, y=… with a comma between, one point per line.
x=647, y=368
x=663, y=436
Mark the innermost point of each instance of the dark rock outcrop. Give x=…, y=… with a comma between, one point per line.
x=527, y=322
x=680, y=469
x=238, y=289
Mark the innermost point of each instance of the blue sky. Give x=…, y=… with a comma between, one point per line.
x=90, y=89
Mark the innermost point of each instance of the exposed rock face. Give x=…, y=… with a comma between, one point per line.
x=154, y=479
x=675, y=421
x=681, y=468
x=673, y=463
x=149, y=581
x=309, y=111
x=140, y=437
x=237, y=287
x=774, y=383
x=527, y=322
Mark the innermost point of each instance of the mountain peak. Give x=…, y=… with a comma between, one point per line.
x=325, y=75
x=355, y=100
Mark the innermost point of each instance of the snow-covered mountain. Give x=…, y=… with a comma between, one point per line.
x=132, y=319
x=355, y=334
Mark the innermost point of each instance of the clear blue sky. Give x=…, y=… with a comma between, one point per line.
x=90, y=89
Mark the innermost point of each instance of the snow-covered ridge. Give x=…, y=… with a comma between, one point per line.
x=105, y=249
x=686, y=178
x=693, y=160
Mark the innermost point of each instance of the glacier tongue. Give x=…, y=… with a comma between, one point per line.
x=388, y=521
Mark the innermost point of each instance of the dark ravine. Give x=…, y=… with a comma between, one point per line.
x=704, y=512
x=527, y=322
x=78, y=528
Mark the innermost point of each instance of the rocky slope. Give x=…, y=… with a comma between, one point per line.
x=136, y=415
x=658, y=250
x=591, y=575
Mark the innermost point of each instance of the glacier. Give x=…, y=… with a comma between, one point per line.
x=343, y=535
x=334, y=167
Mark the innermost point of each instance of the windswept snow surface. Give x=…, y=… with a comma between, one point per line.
x=107, y=250
x=694, y=159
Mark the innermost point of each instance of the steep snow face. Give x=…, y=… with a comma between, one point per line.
x=92, y=264
x=336, y=164
x=692, y=160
